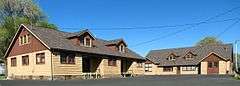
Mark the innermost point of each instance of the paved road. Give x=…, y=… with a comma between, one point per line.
x=140, y=81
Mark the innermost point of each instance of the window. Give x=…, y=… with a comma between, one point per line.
x=148, y=67
x=189, y=68
x=67, y=58
x=112, y=62
x=13, y=61
x=88, y=42
x=24, y=39
x=167, y=69
x=40, y=58
x=171, y=57
x=212, y=64
x=215, y=64
x=139, y=64
x=20, y=41
x=189, y=56
x=121, y=48
x=25, y=60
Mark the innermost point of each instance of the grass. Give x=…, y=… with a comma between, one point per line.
x=2, y=77
x=237, y=77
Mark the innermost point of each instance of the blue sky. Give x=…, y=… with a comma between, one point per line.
x=73, y=15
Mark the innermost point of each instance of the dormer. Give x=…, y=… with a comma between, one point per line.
x=87, y=41
x=171, y=57
x=117, y=45
x=83, y=38
x=189, y=56
x=121, y=47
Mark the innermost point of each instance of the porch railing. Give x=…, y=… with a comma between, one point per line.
x=92, y=75
x=129, y=73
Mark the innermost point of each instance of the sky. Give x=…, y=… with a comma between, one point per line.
x=105, y=18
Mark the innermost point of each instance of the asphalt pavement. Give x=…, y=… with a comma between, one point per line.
x=190, y=80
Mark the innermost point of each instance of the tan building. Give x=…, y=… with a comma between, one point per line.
x=40, y=53
x=209, y=59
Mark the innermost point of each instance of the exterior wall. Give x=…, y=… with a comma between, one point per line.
x=222, y=67
x=110, y=71
x=213, y=58
x=32, y=69
x=161, y=72
x=189, y=72
x=66, y=69
x=225, y=67
x=33, y=46
x=135, y=69
x=229, y=67
x=204, y=67
x=155, y=70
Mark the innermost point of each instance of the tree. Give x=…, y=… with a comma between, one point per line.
x=16, y=12
x=21, y=8
x=208, y=41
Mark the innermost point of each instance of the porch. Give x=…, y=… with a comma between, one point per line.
x=94, y=67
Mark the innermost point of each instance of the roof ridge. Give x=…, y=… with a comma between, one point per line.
x=193, y=47
x=57, y=39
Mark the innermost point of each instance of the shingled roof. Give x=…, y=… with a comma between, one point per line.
x=225, y=51
x=55, y=39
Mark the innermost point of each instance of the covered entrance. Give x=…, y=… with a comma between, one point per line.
x=213, y=67
x=125, y=67
x=178, y=70
x=91, y=66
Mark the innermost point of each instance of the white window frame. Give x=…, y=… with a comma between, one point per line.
x=121, y=48
x=85, y=42
x=24, y=39
x=189, y=68
x=148, y=67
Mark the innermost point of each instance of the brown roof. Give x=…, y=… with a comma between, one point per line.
x=55, y=39
x=200, y=52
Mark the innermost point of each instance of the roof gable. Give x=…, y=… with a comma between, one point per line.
x=216, y=55
x=158, y=56
x=14, y=40
x=83, y=33
x=116, y=42
x=54, y=39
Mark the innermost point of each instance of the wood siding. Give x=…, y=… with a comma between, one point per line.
x=210, y=59
x=32, y=69
x=33, y=46
x=66, y=69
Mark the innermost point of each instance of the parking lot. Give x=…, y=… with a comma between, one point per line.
x=195, y=80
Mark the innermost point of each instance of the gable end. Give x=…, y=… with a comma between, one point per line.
x=35, y=44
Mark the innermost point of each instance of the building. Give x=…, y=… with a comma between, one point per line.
x=40, y=53
x=2, y=69
x=209, y=59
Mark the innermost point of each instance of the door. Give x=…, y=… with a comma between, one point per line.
x=123, y=66
x=178, y=70
x=213, y=68
x=86, y=65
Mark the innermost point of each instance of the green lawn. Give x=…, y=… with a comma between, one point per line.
x=2, y=77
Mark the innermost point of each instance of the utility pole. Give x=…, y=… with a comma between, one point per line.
x=236, y=55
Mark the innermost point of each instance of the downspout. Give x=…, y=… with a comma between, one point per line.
x=51, y=67
x=6, y=67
